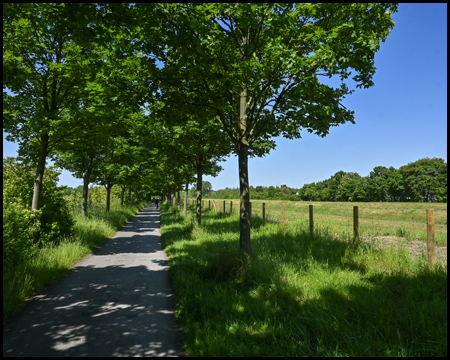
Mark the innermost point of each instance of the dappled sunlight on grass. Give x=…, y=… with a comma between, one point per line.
x=297, y=295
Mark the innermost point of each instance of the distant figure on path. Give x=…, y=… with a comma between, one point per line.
x=156, y=202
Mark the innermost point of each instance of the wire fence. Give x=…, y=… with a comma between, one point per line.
x=347, y=221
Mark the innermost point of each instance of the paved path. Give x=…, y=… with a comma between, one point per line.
x=116, y=302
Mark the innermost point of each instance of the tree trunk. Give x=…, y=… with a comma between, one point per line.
x=40, y=173
x=123, y=194
x=244, y=237
x=35, y=204
x=244, y=222
x=186, y=197
x=199, y=192
x=86, y=178
x=108, y=196
x=84, y=202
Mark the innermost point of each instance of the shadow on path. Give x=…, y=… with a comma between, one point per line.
x=116, y=302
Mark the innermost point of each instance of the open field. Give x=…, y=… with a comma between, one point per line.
x=407, y=221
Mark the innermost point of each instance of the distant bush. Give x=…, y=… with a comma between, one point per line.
x=256, y=193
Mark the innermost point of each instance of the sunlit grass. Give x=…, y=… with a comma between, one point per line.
x=299, y=296
x=406, y=220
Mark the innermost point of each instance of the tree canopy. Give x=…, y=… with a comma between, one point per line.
x=153, y=94
x=258, y=67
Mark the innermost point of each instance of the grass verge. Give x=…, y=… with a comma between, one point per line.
x=299, y=296
x=50, y=263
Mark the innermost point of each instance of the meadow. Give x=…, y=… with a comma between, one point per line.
x=403, y=220
x=297, y=295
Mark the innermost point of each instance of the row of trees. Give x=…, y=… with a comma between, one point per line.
x=73, y=93
x=256, y=192
x=153, y=94
x=424, y=180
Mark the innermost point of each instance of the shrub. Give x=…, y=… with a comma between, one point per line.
x=54, y=220
x=17, y=233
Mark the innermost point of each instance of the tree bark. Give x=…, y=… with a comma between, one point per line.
x=199, y=191
x=186, y=196
x=86, y=176
x=40, y=173
x=108, y=196
x=123, y=194
x=244, y=221
x=35, y=204
x=244, y=238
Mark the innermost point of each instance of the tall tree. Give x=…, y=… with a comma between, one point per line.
x=200, y=146
x=260, y=65
x=46, y=62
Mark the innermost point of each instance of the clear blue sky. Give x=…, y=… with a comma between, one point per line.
x=399, y=120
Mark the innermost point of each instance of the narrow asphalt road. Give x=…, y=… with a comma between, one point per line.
x=115, y=302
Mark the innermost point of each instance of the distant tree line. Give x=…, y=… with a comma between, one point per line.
x=424, y=180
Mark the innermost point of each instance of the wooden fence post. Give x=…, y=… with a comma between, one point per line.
x=264, y=213
x=430, y=238
x=231, y=207
x=282, y=216
x=224, y=206
x=355, y=227
x=311, y=221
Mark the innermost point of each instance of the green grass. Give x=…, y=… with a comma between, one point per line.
x=299, y=296
x=50, y=263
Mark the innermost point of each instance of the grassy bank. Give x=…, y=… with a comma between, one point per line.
x=299, y=296
x=52, y=262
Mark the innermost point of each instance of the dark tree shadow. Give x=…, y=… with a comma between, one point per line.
x=387, y=314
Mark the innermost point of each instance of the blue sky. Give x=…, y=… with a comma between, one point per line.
x=399, y=120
